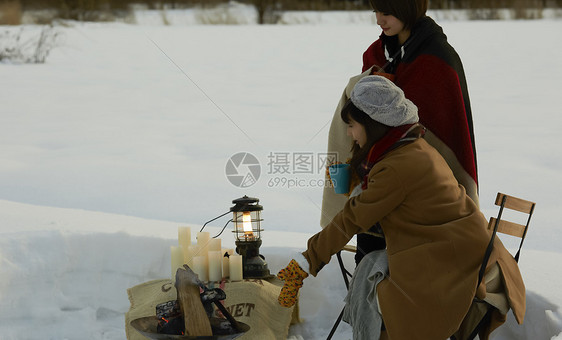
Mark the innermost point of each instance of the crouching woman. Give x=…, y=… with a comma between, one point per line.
x=436, y=236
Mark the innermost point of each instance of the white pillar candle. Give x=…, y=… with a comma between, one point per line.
x=176, y=256
x=225, y=262
x=188, y=254
x=215, y=244
x=235, y=263
x=215, y=261
x=200, y=267
x=203, y=239
x=184, y=237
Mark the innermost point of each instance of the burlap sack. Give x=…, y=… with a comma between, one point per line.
x=144, y=298
x=253, y=302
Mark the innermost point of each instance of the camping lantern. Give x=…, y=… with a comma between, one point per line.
x=247, y=231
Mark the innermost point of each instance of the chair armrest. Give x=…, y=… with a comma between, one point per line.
x=353, y=249
x=350, y=248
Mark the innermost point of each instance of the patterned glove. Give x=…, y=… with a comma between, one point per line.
x=293, y=275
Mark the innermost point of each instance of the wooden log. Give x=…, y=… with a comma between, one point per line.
x=195, y=318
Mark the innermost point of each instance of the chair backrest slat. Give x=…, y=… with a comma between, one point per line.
x=507, y=227
x=515, y=203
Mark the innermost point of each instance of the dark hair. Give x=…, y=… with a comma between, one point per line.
x=407, y=11
x=373, y=129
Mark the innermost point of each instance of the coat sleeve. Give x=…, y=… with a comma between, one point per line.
x=384, y=193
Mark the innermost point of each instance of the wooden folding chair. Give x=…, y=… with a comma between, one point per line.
x=506, y=227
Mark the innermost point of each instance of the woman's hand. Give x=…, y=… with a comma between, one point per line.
x=293, y=275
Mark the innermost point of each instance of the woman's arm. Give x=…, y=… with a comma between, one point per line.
x=384, y=193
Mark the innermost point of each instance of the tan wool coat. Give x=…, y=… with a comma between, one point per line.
x=436, y=239
x=339, y=144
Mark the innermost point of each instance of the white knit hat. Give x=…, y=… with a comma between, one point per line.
x=383, y=101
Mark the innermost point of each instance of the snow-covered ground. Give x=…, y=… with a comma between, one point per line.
x=124, y=135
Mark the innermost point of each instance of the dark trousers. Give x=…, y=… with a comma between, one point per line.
x=367, y=243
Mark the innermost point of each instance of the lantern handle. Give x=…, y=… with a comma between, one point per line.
x=223, y=228
x=216, y=218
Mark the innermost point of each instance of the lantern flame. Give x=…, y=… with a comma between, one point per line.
x=247, y=225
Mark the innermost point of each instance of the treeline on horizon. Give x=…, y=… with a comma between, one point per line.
x=95, y=10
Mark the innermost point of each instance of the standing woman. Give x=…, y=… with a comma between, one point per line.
x=427, y=68
x=413, y=51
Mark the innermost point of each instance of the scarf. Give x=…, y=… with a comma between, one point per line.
x=395, y=138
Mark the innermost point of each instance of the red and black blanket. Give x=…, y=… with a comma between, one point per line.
x=430, y=73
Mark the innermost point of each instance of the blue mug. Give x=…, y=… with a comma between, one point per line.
x=340, y=175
